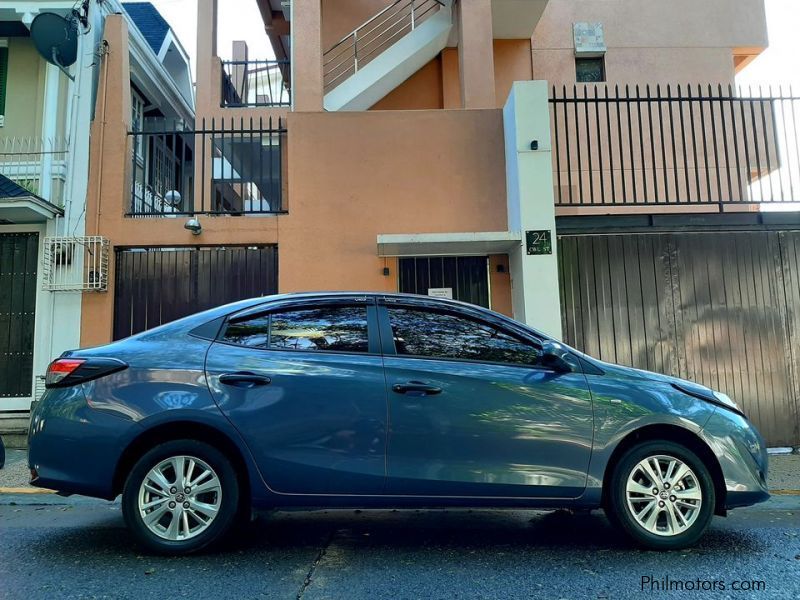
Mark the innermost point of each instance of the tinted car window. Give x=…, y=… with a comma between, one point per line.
x=442, y=335
x=252, y=332
x=339, y=328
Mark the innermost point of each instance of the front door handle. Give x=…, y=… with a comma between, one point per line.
x=416, y=388
x=244, y=379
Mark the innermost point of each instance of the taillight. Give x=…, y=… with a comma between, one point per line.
x=61, y=368
x=64, y=372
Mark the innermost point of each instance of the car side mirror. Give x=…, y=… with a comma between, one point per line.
x=555, y=356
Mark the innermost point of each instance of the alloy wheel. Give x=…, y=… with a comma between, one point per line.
x=179, y=498
x=663, y=495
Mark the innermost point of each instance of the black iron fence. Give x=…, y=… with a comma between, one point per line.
x=664, y=145
x=224, y=167
x=255, y=83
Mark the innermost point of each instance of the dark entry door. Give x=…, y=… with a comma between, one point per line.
x=467, y=276
x=159, y=285
x=18, y=263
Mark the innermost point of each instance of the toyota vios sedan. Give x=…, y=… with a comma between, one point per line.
x=374, y=400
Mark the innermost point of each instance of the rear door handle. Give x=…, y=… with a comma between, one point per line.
x=416, y=388
x=244, y=379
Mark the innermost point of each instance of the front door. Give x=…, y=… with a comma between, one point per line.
x=464, y=278
x=471, y=413
x=304, y=385
x=19, y=257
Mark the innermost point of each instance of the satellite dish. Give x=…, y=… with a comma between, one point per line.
x=56, y=39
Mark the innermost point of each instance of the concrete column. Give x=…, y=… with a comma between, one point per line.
x=49, y=131
x=109, y=166
x=531, y=206
x=208, y=86
x=307, y=85
x=476, y=54
x=239, y=72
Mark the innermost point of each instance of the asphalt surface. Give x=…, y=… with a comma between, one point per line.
x=81, y=550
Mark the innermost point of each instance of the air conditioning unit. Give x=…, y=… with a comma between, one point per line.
x=75, y=264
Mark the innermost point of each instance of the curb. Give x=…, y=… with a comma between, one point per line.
x=29, y=490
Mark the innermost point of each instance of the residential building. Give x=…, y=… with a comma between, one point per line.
x=47, y=261
x=448, y=147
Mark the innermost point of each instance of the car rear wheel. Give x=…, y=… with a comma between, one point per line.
x=662, y=495
x=180, y=497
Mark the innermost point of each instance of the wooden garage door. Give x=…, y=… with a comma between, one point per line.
x=720, y=308
x=18, y=264
x=158, y=285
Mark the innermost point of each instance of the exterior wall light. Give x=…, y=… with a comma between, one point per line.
x=194, y=226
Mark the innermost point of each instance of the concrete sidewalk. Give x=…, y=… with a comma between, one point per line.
x=784, y=473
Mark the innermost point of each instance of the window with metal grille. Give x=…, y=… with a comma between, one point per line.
x=590, y=70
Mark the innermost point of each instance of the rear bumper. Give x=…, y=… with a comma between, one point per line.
x=73, y=448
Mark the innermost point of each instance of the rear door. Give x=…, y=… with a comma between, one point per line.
x=303, y=382
x=472, y=413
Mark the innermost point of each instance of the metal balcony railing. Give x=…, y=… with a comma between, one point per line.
x=359, y=47
x=255, y=83
x=666, y=145
x=223, y=167
x=38, y=165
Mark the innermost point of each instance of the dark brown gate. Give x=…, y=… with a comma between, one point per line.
x=158, y=285
x=720, y=308
x=18, y=263
x=467, y=276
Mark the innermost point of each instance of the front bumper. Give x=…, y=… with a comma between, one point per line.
x=73, y=448
x=742, y=456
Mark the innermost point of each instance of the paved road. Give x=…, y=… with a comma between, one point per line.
x=81, y=550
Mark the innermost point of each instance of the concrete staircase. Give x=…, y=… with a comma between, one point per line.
x=382, y=53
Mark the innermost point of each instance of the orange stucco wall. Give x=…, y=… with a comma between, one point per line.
x=650, y=41
x=350, y=177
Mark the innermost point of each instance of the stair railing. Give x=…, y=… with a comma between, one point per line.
x=368, y=40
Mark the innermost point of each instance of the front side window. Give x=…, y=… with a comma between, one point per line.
x=442, y=335
x=335, y=329
x=331, y=329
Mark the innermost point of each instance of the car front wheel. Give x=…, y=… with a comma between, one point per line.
x=180, y=497
x=661, y=495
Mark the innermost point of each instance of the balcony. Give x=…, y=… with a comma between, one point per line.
x=228, y=167
x=255, y=83
x=687, y=147
x=38, y=165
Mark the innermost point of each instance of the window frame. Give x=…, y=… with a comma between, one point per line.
x=373, y=336
x=387, y=335
x=5, y=59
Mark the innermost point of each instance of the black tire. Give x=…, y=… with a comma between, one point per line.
x=228, y=507
x=619, y=513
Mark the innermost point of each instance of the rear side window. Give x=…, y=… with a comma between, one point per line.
x=331, y=329
x=442, y=335
x=253, y=332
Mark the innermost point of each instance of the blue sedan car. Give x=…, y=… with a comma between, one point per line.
x=378, y=400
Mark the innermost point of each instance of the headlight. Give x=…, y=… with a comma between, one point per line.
x=726, y=400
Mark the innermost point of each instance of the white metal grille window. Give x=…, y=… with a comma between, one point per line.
x=76, y=264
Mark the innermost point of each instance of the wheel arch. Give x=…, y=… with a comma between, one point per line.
x=180, y=430
x=678, y=435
